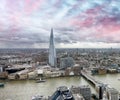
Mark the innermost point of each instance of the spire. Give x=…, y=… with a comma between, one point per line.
x=52, y=31
x=51, y=37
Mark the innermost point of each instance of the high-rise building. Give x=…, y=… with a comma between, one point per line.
x=1, y=69
x=62, y=93
x=52, y=51
x=86, y=92
x=100, y=92
x=113, y=94
x=67, y=62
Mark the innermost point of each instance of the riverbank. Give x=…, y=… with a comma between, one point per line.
x=25, y=89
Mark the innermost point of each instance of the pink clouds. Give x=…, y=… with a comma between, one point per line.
x=31, y=5
x=86, y=19
x=18, y=9
x=28, y=6
x=106, y=29
x=88, y=22
x=106, y=33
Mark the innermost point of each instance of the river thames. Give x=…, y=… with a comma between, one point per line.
x=25, y=89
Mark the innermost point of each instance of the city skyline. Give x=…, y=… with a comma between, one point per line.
x=76, y=23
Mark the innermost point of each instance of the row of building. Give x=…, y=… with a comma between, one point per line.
x=104, y=70
x=79, y=93
x=74, y=93
x=45, y=71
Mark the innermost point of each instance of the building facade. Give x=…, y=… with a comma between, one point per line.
x=52, y=51
x=86, y=92
x=113, y=94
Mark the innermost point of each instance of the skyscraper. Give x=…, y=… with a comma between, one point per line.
x=86, y=92
x=113, y=94
x=52, y=51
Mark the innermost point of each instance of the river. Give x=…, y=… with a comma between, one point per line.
x=25, y=89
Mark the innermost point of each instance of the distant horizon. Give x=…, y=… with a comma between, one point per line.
x=60, y=48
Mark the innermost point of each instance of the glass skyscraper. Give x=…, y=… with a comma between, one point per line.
x=52, y=51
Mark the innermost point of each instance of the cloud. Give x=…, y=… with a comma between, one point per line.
x=28, y=22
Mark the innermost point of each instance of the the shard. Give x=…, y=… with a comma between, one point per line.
x=52, y=51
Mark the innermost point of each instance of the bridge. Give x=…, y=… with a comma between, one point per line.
x=100, y=87
x=92, y=80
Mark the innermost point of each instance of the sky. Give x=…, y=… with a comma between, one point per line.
x=76, y=23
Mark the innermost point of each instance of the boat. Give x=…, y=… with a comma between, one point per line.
x=1, y=84
x=40, y=80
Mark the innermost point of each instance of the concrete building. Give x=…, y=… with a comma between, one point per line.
x=102, y=71
x=75, y=89
x=78, y=97
x=52, y=51
x=40, y=72
x=20, y=60
x=19, y=75
x=49, y=72
x=112, y=70
x=113, y=94
x=67, y=62
x=3, y=73
x=55, y=73
x=86, y=92
x=1, y=69
x=32, y=75
x=11, y=76
x=75, y=70
x=62, y=93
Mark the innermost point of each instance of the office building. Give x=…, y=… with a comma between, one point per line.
x=113, y=94
x=85, y=91
x=52, y=51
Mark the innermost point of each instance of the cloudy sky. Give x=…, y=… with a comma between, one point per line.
x=76, y=23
